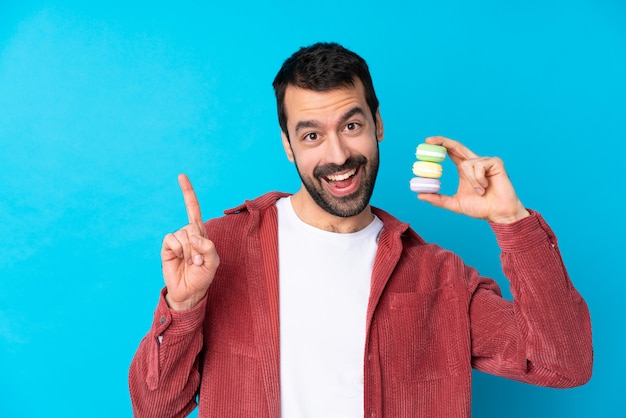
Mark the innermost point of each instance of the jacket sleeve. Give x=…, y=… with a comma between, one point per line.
x=164, y=374
x=543, y=337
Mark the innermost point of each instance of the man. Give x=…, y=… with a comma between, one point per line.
x=319, y=305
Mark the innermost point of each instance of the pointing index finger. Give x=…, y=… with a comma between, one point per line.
x=191, y=201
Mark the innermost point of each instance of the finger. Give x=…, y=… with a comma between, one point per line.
x=439, y=200
x=171, y=248
x=457, y=151
x=182, y=236
x=191, y=200
x=480, y=170
x=479, y=182
x=194, y=238
x=204, y=251
x=474, y=172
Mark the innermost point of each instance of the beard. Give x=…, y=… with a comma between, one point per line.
x=348, y=205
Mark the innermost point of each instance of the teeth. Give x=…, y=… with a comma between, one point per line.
x=339, y=177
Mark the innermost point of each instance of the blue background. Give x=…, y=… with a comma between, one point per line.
x=102, y=105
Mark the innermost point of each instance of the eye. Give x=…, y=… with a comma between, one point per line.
x=352, y=126
x=311, y=136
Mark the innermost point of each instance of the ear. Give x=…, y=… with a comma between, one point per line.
x=380, y=130
x=287, y=146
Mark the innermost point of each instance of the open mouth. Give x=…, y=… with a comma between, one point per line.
x=343, y=183
x=337, y=180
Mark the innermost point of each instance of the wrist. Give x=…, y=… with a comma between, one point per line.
x=181, y=306
x=519, y=214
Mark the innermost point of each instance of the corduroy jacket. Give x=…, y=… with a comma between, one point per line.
x=430, y=320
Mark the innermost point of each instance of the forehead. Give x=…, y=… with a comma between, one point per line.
x=303, y=104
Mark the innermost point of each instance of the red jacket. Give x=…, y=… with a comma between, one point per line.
x=430, y=320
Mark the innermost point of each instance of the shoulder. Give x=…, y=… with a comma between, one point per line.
x=414, y=248
x=393, y=227
x=242, y=217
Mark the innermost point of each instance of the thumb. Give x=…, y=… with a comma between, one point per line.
x=438, y=200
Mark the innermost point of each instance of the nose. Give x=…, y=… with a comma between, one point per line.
x=336, y=150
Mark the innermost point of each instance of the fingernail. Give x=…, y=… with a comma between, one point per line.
x=197, y=260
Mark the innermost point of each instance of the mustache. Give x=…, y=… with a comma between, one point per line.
x=328, y=169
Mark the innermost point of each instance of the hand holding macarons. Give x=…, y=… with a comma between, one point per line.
x=485, y=190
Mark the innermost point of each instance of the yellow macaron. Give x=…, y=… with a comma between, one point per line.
x=427, y=169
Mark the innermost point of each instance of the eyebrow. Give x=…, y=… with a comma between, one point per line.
x=304, y=124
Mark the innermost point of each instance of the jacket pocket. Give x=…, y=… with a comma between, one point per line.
x=428, y=341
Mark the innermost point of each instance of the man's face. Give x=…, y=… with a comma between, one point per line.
x=333, y=141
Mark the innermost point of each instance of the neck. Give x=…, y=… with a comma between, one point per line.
x=309, y=212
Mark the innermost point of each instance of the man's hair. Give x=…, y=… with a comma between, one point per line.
x=322, y=67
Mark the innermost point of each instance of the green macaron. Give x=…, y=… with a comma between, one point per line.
x=432, y=153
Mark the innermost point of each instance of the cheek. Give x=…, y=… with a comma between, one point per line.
x=307, y=161
x=371, y=150
x=305, y=166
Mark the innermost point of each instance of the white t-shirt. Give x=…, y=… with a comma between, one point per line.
x=324, y=288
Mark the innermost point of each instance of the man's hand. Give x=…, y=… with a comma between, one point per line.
x=188, y=257
x=484, y=192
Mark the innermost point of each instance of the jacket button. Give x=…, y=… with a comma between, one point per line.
x=162, y=320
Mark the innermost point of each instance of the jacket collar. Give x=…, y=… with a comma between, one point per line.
x=263, y=202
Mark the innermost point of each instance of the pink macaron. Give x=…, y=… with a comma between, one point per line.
x=425, y=185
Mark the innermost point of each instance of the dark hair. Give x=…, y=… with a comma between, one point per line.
x=322, y=67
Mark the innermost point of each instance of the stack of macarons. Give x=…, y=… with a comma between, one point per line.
x=427, y=168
